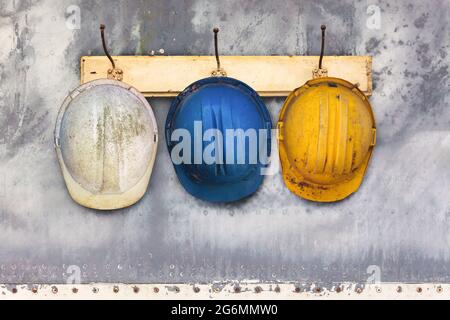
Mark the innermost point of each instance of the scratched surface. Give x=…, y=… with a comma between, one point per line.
x=399, y=221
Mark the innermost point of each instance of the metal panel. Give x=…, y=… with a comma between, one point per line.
x=395, y=229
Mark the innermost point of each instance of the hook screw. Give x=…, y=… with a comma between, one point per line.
x=321, y=72
x=219, y=72
x=113, y=73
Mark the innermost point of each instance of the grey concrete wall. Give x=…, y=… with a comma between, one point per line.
x=399, y=220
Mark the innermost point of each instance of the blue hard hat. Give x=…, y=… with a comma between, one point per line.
x=224, y=105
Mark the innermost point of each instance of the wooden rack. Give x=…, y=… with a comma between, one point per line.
x=270, y=76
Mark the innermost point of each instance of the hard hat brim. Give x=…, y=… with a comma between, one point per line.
x=105, y=201
x=220, y=193
x=320, y=193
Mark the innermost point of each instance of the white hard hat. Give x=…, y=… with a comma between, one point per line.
x=106, y=139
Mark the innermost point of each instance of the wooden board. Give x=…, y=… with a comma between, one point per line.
x=270, y=76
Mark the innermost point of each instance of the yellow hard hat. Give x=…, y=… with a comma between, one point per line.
x=326, y=134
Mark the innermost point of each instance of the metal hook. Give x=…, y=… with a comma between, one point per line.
x=321, y=72
x=323, y=27
x=219, y=71
x=102, y=31
x=216, y=46
x=113, y=73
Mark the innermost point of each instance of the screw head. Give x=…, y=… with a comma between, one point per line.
x=54, y=290
x=155, y=289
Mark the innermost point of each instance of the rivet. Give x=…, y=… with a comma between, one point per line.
x=399, y=289
x=54, y=290
x=74, y=290
x=116, y=289
x=419, y=290
x=318, y=290
x=95, y=290
x=155, y=289
x=196, y=289
x=358, y=290
x=136, y=289
x=297, y=289
x=237, y=289
x=338, y=289
x=14, y=290
x=34, y=290
x=439, y=289
x=258, y=289
x=277, y=289
x=177, y=290
x=378, y=290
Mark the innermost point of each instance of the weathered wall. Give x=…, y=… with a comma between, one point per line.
x=399, y=220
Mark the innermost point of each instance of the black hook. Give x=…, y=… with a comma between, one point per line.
x=323, y=27
x=102, y=31
x=216, y=31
